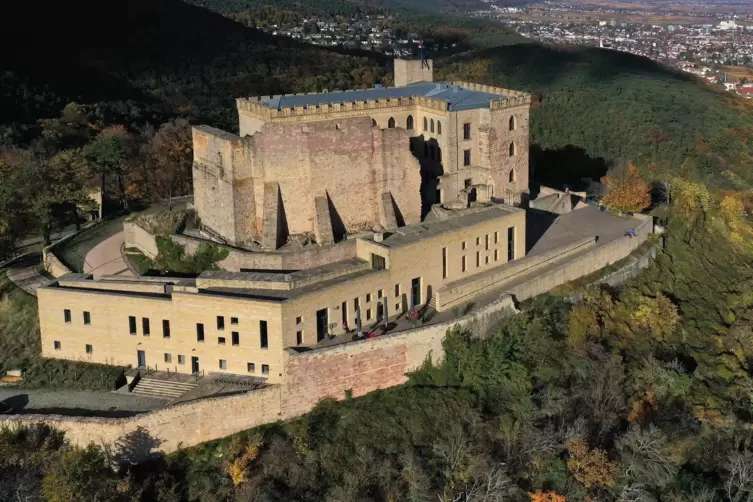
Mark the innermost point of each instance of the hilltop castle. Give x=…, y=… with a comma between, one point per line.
x=337, y=163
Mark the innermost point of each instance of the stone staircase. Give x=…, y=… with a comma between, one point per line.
x=156, y=387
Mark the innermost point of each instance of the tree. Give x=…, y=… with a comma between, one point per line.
x=591, y=467
x=626, y=190
x=110, y=154
x=546, y=497
x=170, y=155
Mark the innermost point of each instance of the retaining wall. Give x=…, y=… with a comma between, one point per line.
x=54, y=265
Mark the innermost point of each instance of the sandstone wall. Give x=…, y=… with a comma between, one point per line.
x=54, y=265
x=137, y=237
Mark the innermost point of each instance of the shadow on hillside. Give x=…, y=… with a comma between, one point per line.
x=565, y=166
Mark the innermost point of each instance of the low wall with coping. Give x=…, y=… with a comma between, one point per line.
x=54, y=265
x=137, y=237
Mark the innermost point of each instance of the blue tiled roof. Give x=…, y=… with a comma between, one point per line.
x=459, y=98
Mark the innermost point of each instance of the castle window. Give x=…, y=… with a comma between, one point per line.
x=233, y=320
x=299, y=337
x=89, y=349
x=181, y=359
x=265, y=369
x=512, y=149
x=67, y=315
x=512, y=123
x=409, y=123
x=466, y=131
x=391, y=123
x=165, y=328
x=145, y=326
x=199, y=332
x=220, y=323
x=512, y=175
x=251, y=367
x=168, y=358
x=432, y=125
x=439, y=127
x=426, y=124
x=132, y=324
x=466, y=157
x=464, y=265
x=373, y=123
x=58, y=345
x=223, y=364
x=263, y=338
x=220, y=340
x=236, y=338
x=397, y=289
x=87, y=318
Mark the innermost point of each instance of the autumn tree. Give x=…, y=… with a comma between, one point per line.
x=111, y=154
x=546, y=497
x=626, y=190
x=590, y=467
x=170, y=158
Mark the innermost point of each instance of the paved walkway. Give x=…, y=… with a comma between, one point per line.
x=25, y=273
x=106, y=258
x=71, y=402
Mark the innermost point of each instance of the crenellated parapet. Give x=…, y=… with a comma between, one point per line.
x=255, y=106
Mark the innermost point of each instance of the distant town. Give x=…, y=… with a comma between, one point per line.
x=718, y=51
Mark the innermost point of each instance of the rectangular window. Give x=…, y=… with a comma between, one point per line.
x=58, y=346
x=466, y=131
x=89, y=349
x=356, y=304
x=397, y=289
x=251, y=367
x=236, y=338
x=265, y=369
x=368, y=297
x=464, y=265
x=466, y=157
x=487, y=242
x=378, y=262
x=199, y=332
x=444, y=263
x=486, y=260
x=87, y=318
x=478, y=240
x=380, y=293
x=368, y=314
x=67, y=315
x=496, y=237
x=165, y=328
x=510, y=243
x=263, y=334
x=467, y=183
x=463, y=245
x=220, y=323
x=344, y=314
x=168, y=358
x=397, y=307
x=145, y=326
x=181, y=359
x=221, y=340
x=298, y=320
x=298, y=337
x=223, y=364
x=132, y=324
x=234, y=321
x=478, y=258
x=496, y=255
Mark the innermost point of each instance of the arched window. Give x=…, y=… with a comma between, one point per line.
x=512, y=175
x=426, y=124
x=432, y=125
x=512, y=149
x=409, y=123
x=512, y=123
x=391, y=123
x=373, y=123
x=439, y=127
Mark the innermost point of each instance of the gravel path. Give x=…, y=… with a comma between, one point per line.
x=106, y=259
x=25, y=274
x=72, y=402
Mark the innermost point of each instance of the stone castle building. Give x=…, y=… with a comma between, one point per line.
x=337, y=163
x=410, y=194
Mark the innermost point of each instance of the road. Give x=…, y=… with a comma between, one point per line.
x=106, y=258
x=72, y=402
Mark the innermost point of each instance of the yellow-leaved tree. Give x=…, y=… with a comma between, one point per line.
x=626, y=190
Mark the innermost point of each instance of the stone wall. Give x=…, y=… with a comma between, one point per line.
x=54, y=265
x=352, y=163
x=137, y=237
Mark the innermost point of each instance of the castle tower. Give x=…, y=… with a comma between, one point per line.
x=408, y=71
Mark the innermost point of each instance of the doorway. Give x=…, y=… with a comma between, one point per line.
x=415, y=292
x=141, y=355
x=195, y=365
x=322, y=320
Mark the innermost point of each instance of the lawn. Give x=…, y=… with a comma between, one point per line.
x=20, y=348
